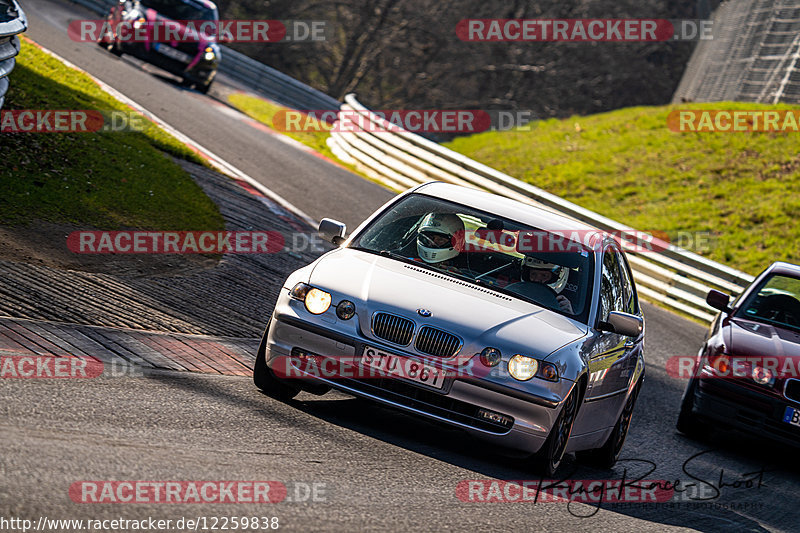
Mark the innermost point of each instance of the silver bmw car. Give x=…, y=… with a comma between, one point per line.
x=516, y=324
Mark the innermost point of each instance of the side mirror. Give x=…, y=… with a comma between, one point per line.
x=332, y=230
x=623, y=323
x=719, y=300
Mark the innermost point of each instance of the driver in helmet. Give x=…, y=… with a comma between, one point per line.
x=438, y=240
x=554, y=276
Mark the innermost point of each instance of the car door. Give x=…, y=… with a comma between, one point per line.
x=613, y=357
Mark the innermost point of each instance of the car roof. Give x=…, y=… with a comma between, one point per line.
x=538, y=217
x=208, y=4
x=781, y=267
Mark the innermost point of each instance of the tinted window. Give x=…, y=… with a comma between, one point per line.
x=177, y=10
x=611, y=286
x=629, y=297
x=776, y=301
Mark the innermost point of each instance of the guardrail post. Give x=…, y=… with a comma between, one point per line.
x=12, y=23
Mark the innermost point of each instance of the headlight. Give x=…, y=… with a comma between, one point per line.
x=548, y=371
x=299, y=291
x=346, y=309
x=490, y=357
x=317, y=301
x=210, y=55
x=522, y=368
x=761, y=375
x=139, y=23
x=719, y=364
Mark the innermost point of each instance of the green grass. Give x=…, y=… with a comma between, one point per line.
x=107, y=180
x=264, y=110
x=740, y=188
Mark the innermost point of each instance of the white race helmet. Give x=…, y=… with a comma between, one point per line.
x=437, y=237
x=559, y=277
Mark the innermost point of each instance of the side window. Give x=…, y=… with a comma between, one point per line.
x=611, y=286
x=630, y=305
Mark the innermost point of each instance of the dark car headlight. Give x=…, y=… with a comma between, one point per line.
x=346, y=310
x=762, y=376
x=491, y=357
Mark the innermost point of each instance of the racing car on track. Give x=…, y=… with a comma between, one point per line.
x=195, y=60
x=747, y=374
x=474, y=311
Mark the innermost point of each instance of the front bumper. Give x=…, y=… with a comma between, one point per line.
x=457, y=404
x=747, y=410
x=201, y=72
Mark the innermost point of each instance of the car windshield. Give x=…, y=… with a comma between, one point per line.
x=776, y=302
x=177, y=10
x=486, y=249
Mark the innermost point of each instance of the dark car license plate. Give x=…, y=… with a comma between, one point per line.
x=170, y=52
x=791, y=416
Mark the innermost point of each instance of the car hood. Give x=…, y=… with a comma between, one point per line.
x=480, y=316
x=747, y=338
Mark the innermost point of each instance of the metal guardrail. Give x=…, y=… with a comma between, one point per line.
x=672, y=276
x=256, y=76
x=754, y=55
x=12, y=23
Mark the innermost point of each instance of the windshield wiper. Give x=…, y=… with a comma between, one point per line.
x=395, y=255
x=498, y=269
x=388, y=253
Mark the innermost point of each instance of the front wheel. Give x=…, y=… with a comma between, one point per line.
x=203, y=87
x=266, y=380
x=607, y=455
x=688, y=423
x=548, y=459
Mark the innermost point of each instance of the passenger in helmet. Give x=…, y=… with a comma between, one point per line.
x=439, y=239
x=554, y=276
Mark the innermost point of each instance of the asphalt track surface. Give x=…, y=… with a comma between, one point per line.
x=381, y=470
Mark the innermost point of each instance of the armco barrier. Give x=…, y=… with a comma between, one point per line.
x=675, y=277
x=12, y=23
x=256, y=76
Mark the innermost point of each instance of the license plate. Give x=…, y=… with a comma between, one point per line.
x=170, y=52
x=402, y=367
x=791, y=416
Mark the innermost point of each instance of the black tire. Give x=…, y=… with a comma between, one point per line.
x=688, y=422
x=266, y=380
x=204, y=87
x=547, y=460
x=116, y=49
x=606, y=456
